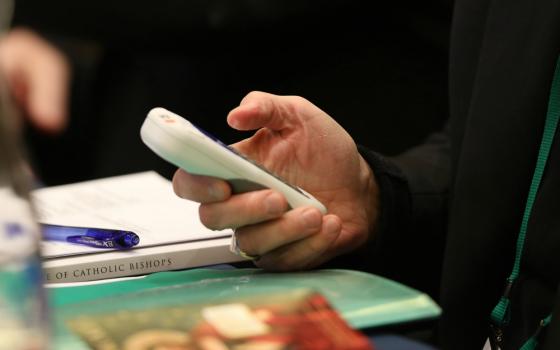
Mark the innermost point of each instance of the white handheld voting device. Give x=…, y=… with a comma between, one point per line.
x=181, y=143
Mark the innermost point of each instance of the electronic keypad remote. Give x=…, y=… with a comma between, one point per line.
x=181, y=143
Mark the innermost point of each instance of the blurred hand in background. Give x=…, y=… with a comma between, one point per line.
x=38, y=76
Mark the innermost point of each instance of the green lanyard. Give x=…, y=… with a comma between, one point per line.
x=500, y=314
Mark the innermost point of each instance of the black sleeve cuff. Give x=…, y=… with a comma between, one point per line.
x=379, y=253
x=394, y=196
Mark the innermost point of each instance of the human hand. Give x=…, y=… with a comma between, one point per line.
x=37, y=75
x=301, y=143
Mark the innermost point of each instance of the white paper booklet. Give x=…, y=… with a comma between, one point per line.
x=143, y=203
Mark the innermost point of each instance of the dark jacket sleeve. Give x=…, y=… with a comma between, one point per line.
x=414, y=189
x=552, y=333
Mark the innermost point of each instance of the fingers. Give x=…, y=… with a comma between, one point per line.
x=219, y=209
x=304, y=253
x=38, y=75
x=296, y=224
x=243, y=209
x=202, y=189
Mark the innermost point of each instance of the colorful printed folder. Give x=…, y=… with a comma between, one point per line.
x=362, y=300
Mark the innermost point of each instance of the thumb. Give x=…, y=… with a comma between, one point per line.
x=262, y=110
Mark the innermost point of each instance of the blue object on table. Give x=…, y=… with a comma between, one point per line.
x=92, y=237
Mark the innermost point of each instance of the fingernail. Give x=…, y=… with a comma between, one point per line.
x=311, y=218
x=273, y=204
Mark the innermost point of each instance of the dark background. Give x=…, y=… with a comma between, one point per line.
x=378, y=68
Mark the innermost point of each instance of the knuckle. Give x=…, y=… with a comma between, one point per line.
x=257, y=203
x=255, y=93
x=299, y=101
x=252, y=95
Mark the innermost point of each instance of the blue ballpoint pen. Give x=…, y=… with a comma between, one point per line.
x=92, y=237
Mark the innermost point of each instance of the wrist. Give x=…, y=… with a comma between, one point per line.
x=370, y=198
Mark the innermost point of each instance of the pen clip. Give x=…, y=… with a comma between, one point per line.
x=91, y=241
x=121, y=241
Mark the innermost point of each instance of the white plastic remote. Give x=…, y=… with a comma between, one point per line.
x=181, y=143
